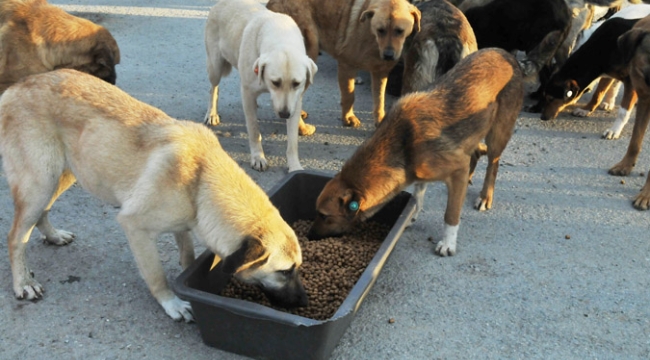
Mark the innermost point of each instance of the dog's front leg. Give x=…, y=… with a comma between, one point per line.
x=249, y=102
x=456, y=191
x=185, y=248
x=378, y=80
x=603, y=86
x=143, y=246
x=418, y=193
x=292, y=140
x=346, y=87
x=625, y=166
x=627, y=103
x=212, y=116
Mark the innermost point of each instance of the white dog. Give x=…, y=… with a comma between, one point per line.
x=269, y=51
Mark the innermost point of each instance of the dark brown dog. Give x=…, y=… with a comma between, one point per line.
x=635, y=45
x=429, y=137
x=347, y=31
x=36, y=37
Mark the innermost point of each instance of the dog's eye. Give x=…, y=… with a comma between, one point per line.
x=286, y=272
x=381, y=31
x=295, y=84
x=399, y=32
x=276, y=83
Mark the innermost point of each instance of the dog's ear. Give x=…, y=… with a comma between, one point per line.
x=258, y=68
x=251, y=253
x=366, y=15
x=417, y=15
x=628, y=42
x=311, y=71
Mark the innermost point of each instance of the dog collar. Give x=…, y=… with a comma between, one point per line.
x=354, y=205
x=256, y=70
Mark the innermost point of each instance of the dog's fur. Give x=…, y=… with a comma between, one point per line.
x=346, y=30
x=635, y=45
x=166, y=176
x=598, y=56
x=608, y=102
x=444, y=38
x=36, y=37
x=433, y=136
x=268, y=50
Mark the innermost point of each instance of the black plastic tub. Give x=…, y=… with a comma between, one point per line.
x=258, y=331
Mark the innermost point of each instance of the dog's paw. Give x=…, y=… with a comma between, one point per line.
x=623, y=168
x=293, y=168
x=303, y=114
x=306, y=129
x=211, y=119
x=178, y=309
x=481, y=204
x=642, y=200
x=259, y=163
x=58, y=237
x=444, y=249
x=612, y=134
x=580, y=112
x=28, y=289
x=351, y=121
x=607, y=106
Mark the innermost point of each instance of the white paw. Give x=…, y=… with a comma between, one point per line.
x=580, y=112
x=259, y=163
x=607, y=106
x=211, y=119
x=178, y=309
x=295, y=168
x=445, y=248
x=28, y=289
x=59, y=237
x=612, y=133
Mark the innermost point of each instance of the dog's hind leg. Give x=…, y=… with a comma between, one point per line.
x=185, y=248
x=418, y=193
x=216, y=70
x=456, y=191
x=603, y=86
x=625, y=166
x=627, y=103
x=50, y=234
x=609, y=102
x=346, y=86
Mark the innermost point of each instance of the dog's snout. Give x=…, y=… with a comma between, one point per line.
x=291, y=295
x=389, y=54
x=284, y=113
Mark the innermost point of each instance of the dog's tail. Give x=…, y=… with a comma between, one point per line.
x=541, y=54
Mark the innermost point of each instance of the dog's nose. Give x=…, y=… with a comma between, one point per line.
x=544, y=117
x=389, y=54
x=284, y=114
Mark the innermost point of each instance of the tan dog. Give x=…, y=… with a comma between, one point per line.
x=36, y=37
x=433, y=136
x=346, y=30
x=167, y=176
x=269, y=52
x=635, y=45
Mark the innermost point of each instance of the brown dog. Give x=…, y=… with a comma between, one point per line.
x=635, y=45
x=346, y=30
x=433, y=136
x=36, y=37
x=167, y=176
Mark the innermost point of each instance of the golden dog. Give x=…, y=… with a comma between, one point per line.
x=36, y=37
x=432, y=136
x=167, y=176
x=635, y=45
x=346, y=30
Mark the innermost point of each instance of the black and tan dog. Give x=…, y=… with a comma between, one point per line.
x=432, y=136
x=635, y=46
x=167, y=176
x=598, y=56
x=36, y=37
x=360, y=35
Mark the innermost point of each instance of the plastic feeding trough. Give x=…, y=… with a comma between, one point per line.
x=258, y=331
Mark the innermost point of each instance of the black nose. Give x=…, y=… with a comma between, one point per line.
x=284, y=114
x=544, y=117
x=389, y=54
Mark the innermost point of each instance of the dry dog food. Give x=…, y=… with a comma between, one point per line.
x=330, y=268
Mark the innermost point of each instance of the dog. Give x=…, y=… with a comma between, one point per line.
x=36, y=37
x=608, y=102
x=166, y=175
x=268, y=50
x=598, y=56
x=444, y=38
x=430, y=136
x=635, y=46
x=346, y=30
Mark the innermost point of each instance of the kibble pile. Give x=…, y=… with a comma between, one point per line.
x=330, y=268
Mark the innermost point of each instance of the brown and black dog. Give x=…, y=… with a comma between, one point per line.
x=37, y=37
x=635, y=46
x=430, y=136
x=360, y=35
